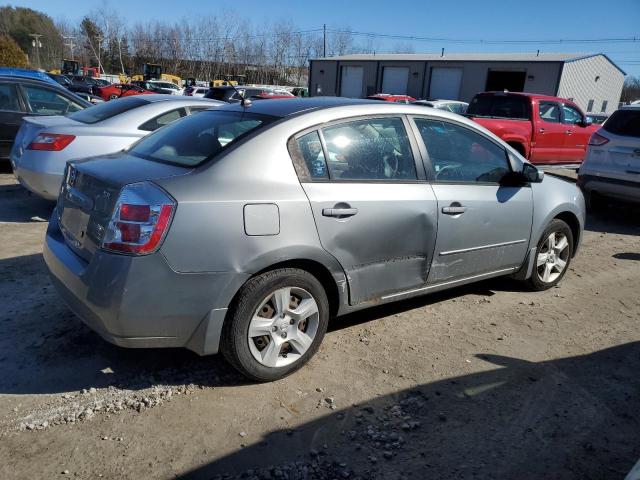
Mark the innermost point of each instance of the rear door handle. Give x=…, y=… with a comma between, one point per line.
x=454, y=210
x=339, y=212
x=541, y=130
x=569, y=132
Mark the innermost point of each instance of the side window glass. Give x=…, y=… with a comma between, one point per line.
x=9, y=98
x=371, y=149
x=311, y=150
x=197, y=109
x=571, y=115
x=458, y=154
x=162, y=120
x=549, y=112
x=49, y=102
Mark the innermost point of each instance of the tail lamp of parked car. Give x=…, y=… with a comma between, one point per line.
x=140, y=220
x=597, y=140
x=50, y=142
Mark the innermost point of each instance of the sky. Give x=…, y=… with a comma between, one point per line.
x=607, y=22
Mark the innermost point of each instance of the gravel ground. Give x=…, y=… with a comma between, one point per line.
x=485, y=381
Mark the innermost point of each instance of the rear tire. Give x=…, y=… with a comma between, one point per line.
x=553, y=256
x=276, y=324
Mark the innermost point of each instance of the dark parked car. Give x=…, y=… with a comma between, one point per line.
x=78, y=88
x=88, y=82
x=20, y=96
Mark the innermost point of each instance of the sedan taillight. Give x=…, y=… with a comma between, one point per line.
x=51, y=142
x=597, y=140
x=140, y=220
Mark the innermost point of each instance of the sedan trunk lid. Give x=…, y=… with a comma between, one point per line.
x=90, y=191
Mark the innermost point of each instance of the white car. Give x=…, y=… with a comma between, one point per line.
x=175, y=89
x=196, y=91
x=453, y=106
x=611, y=167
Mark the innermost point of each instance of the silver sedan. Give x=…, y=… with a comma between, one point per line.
x=245, y=228
x=43, y=145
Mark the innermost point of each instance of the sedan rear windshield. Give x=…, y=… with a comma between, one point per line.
x=106, y=110
x=500, y=106
x=195, y=139
x=624, y=122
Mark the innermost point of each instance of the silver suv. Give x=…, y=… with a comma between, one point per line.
x=611, y=167
x=245, y=229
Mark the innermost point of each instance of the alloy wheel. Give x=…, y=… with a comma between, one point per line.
x=553, y=257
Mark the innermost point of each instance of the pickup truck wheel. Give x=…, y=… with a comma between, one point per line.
x=553, y=255
x=276, y=324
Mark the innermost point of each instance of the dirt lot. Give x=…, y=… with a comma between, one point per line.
x=486, y=381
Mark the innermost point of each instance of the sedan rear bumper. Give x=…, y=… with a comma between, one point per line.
x=140, y=301
x=45, y=185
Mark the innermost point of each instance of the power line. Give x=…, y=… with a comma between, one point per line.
x=487, y=42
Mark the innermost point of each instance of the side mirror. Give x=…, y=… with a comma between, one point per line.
x=532, y=174
x=586, y=122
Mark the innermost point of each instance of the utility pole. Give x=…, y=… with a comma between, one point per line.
x=70, y=44
x=324, y=40
x=36, y=44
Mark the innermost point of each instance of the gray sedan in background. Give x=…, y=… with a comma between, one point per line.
x=43, y=145
x=243, y=229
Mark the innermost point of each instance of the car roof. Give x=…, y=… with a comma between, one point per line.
x=162, y=97
x=27, y=74
x=635, y=106
x=286, y=107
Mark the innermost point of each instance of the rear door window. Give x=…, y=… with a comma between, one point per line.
x=370, y=149
x=163, y=119
x=9, y=98
x=624, y=122
x=549, y=112
x=49, y=102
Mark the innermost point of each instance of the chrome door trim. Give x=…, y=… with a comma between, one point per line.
x=483, y=247
x=451, y=282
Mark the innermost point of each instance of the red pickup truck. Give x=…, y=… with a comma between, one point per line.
x=542, y=128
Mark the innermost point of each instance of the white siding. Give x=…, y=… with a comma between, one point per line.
x=579, y=82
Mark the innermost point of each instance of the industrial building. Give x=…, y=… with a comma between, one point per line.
x=593, y=81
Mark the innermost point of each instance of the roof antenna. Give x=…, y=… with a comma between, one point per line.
x=442, y=53
x=538, y=53
x=244, y=102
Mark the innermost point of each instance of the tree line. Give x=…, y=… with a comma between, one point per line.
x=206, y=48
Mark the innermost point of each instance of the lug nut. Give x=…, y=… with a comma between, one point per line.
x=292, y=321
x=284, y=335
x=274, y=328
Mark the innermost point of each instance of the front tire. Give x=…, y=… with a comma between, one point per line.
x=553, y=255
x=276, y=324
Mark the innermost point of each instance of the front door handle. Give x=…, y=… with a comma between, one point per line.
x=339, y=212
x=569, y=132
x=541, y=130
x=454, y=209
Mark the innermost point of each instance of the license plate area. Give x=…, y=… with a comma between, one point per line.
x=74, y=222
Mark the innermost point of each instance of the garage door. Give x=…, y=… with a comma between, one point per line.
x=351, y=81
x=395, y=80
x=445, y=83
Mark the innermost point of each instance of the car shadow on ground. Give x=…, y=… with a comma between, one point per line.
x=615, y=217
x=569, y=418
x=21, y=206
x=49, y=350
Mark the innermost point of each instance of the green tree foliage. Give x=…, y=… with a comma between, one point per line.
x=18, y=23
x=11, y=55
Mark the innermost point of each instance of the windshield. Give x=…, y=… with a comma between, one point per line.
x=503, y=106
x=217, y=93
x=624, y=122
x=193, y=140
